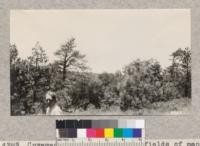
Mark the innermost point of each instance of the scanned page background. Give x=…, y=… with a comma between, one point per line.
x=43, y=127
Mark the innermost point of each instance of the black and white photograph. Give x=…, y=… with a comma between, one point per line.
x=100, y=62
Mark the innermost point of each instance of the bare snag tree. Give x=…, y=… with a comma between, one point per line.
x=68, y=57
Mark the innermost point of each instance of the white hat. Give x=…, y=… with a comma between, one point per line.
x=49, y=95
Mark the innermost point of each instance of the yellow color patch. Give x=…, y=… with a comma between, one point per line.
x=108, y=132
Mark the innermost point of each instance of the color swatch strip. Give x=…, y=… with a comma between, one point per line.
x=100, y=128
x=100, y=133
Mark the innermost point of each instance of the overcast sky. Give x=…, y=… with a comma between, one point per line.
x=109, y=38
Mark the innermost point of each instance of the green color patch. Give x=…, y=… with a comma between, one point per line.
x=118, y=132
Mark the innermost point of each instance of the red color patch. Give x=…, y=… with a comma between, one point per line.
x=100, y=133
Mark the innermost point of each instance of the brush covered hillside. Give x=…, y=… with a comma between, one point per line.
x=141, y=87
x=180, y=106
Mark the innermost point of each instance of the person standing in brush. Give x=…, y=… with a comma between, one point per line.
x=52, y=107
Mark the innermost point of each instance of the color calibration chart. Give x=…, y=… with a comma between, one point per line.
x=100, y=130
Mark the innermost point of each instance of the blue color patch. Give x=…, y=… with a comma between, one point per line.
x=137, y=133
x=127, y=133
